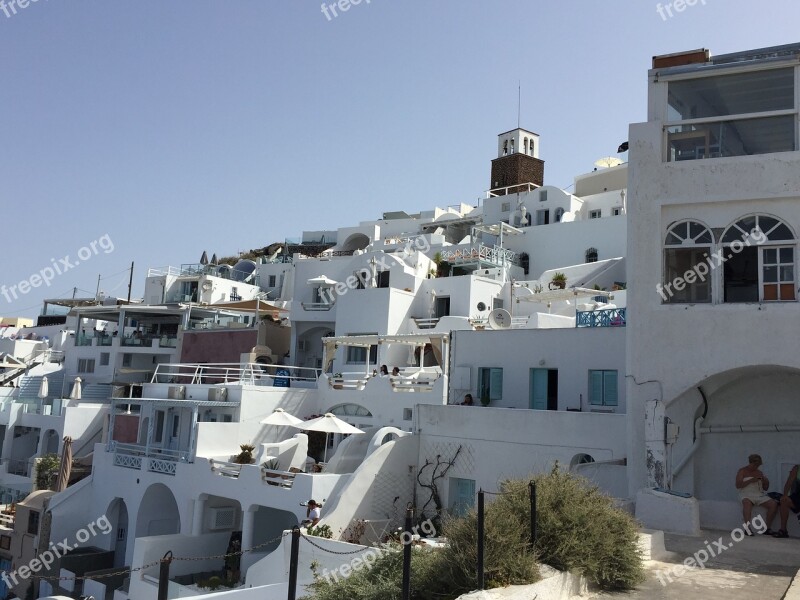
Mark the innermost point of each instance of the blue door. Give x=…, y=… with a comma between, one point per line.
x=462, y=496
x=539, y=389
x=5, y=566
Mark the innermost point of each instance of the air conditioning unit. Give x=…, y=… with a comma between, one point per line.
x=218, y=394
x=223, y=517
x=177, y=392
x=303, y=345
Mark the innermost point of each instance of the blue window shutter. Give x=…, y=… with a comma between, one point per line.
x=496, y=384
x=610, y=388
x=596, y=387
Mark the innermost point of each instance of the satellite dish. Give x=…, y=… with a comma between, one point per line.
x=500, y=318
x=244, y=270
x=481, y=306
x=207, y=286
x=607, y=162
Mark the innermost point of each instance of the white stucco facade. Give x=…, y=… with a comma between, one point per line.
x=719, y=373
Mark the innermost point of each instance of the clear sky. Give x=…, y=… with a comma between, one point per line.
x=177, y=126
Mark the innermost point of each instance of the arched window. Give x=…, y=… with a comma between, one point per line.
x=512, y=146
x=559, y=214
x=591, y=255
x=505, y=147
x=759, y=256
x=350, y=410
x=687, y=247
x=526, y=145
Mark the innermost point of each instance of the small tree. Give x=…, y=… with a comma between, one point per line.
x=47, y=470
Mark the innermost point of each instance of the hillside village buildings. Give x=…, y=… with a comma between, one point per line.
x=537, y=302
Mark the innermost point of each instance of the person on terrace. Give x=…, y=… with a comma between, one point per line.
x=790, y=501
x=752, y=485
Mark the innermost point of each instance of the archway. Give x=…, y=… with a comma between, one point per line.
x=158, y=513
x=50, y=442
x=117, y=513
x=721, y=421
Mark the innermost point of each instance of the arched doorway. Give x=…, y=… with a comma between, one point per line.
x=158, y=513
x=118, y=517
x=50, y=442
x=721, y=421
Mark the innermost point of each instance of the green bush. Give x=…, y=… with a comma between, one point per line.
x=47, y=468
x=579, y=529
x=323, y=531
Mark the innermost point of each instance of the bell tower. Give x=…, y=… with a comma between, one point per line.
x=517, y=164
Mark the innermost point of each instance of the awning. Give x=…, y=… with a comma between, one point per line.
x=261, y=306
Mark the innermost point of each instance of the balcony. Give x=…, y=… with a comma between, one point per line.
x=480, y=254
x=256, y=374
x=317, y=306
x=612, y=317
x=155, y=460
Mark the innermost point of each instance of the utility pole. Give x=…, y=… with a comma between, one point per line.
x=130, y=283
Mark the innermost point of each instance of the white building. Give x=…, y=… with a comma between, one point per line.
x=714, y=217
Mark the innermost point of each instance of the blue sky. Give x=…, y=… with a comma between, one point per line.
x=180, y=126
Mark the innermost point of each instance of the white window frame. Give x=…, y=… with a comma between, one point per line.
x=596, y=213
x=760, y=250
x=686, y=243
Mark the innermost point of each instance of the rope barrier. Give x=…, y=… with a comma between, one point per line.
x=157, y=562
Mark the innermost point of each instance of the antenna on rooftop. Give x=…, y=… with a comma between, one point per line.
x=519, y=104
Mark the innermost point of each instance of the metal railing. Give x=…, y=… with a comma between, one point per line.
x=611, y=317
x=283, y=479
x=146, y=341
x=312, y=306
x=248, y=374
x=158, y=460
x=425, y=323
x=491, y=254
x=519, y=187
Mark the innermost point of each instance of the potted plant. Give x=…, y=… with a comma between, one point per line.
x=485, y=399
x=442, y=266
x=245, y=457
x=336, y=381
x=559, y=281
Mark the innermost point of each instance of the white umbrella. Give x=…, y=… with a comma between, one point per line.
x=321, y=280
x=44, y=388
x=75, y=394
x=281, y=418
x=329, y=423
